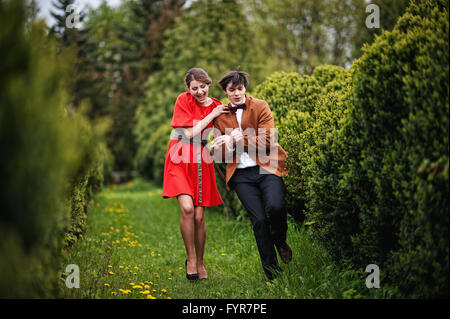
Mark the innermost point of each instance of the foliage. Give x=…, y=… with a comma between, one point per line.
x=151, y=163
x=380, y=192
x=289, y=91
x=44, y=148
x=305, y=108
x=368, y=152
x=389, y=12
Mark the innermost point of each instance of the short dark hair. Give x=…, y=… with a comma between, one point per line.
x=236, y=77
x=197, y=74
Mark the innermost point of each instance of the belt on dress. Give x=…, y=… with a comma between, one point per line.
x=181, y=137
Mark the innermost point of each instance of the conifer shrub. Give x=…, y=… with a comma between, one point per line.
x=380, y=188
x=48, y=161
x=303, y=105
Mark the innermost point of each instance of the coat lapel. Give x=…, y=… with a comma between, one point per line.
x=245, y=113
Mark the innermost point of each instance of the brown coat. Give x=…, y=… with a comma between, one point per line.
x=257, y=119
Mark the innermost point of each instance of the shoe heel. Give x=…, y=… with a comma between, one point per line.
x=190, y=276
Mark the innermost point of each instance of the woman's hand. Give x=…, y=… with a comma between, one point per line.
x=220, y=109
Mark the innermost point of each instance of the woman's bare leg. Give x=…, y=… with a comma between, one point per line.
x=187, y=227
x=200, y=239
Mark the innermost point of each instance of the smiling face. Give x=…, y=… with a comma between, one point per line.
x=199, y=90
x=235, y=93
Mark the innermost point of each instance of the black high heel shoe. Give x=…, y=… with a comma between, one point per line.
x=190, y=276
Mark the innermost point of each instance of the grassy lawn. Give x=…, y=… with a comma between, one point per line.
x=133, y=249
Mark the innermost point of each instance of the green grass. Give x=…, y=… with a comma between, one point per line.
x=133, y=237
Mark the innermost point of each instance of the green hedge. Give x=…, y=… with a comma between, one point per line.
x=380, y=188
x=297, y=102
x=89, y=178
x=49, y=166
x=368, y=152
x=401, y=89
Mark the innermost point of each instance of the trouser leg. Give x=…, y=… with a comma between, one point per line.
x=250, y=196
x=273, y=190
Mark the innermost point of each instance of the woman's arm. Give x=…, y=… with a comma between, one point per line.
x=190, y=132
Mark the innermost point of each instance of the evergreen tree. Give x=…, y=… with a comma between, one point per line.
x=136, y=56
x=72, y=35
x=67, y=17
x=305, y=33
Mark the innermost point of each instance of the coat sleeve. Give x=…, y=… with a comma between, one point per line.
x=264, y=133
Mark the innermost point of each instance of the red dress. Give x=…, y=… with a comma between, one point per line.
x=182, y=173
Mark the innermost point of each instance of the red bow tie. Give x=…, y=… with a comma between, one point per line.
x=233, y=109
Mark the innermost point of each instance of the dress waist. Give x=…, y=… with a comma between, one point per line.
x=179, y=136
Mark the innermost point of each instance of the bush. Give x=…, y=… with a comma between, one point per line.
x=42, y=151
x=152, y=154
x=380, y=192
x=289, y=91
x=303, y=106
x=90, y=176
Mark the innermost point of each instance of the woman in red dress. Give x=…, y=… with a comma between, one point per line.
x=186, y=177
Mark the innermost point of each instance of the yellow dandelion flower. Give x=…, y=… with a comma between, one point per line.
x=150, y=297
x=132, y=284
x=109, y=266
x=223, y=254
x=113, y=293
x=137, y=287
x=121, y=267
x=106, y=284
x=163, y=290
x=125, y=291
x=111, y=273
x=144, y=292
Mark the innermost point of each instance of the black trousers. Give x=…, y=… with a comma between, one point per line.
x=254, y=190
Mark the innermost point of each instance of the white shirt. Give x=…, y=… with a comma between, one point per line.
x=245, y=160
